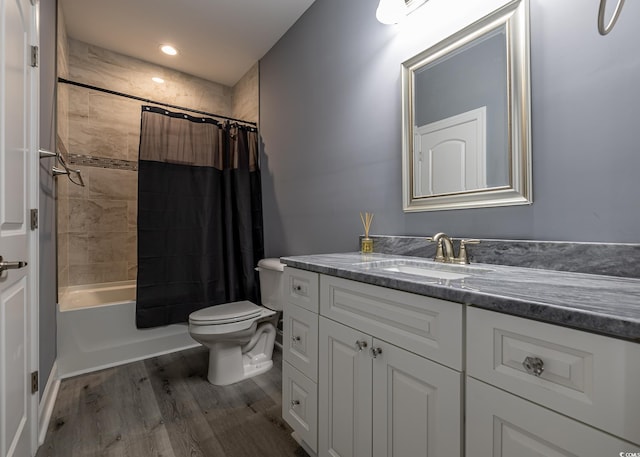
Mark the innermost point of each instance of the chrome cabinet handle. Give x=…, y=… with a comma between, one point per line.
x=295, y=403
x=296, y=339
x=361, y=344
x=533, y=365
x=11, y=265
x=375, y=352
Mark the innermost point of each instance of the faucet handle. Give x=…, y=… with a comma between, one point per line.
x=462, y=258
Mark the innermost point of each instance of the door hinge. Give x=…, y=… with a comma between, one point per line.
x=34, y=382
x=34, y=56
x=34, y=219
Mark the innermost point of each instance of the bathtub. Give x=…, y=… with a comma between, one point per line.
x=97, y=329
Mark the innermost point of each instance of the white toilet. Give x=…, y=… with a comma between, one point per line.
x=240, y=335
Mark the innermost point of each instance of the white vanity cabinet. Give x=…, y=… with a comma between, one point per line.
x=376, y=398
x=375, y=372
x=536, y=389
x=300, y=354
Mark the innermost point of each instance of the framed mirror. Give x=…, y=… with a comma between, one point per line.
x=466, y=117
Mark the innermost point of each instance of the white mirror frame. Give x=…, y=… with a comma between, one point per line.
x=515, y=17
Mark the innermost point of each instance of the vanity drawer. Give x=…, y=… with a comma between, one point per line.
x=301, y=288
x=300, y=405
x=589, y=377
x=300, y=340
x=501, y=424
x=426, y=326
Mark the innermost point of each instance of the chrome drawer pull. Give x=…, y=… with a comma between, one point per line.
x=375, y=352
x=533, y=365
x=296, y=339
x=361, y=344
x=295, y=403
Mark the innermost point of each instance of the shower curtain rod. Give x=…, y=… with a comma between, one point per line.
x=146, y=100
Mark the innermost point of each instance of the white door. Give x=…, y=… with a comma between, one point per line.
x=417, y=408
x=450, y=154
x=344, y=391
x=16, y=291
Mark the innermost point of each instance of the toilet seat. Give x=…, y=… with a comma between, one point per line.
x=226, y=313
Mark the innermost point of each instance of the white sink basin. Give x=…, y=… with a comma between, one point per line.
x=426, y=272
x=425, y=268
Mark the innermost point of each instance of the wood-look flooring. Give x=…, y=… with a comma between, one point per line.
x=164, y=407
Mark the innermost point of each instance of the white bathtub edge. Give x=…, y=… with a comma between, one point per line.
x=125, y=361
x=47, y=402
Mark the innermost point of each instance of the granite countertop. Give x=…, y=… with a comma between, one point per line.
x=603, y=304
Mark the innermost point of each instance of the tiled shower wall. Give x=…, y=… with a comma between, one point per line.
x=97, y=224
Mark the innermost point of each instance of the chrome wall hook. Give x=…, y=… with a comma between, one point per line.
x=614, y=18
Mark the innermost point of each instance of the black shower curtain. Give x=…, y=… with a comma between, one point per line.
x=199, y=215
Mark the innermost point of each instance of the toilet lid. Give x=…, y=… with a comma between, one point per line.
x=225, y=313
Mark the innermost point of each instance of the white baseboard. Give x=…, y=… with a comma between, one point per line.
x=47, y=402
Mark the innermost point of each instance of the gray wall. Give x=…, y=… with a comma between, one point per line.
x=330, y=118
x=47, y=314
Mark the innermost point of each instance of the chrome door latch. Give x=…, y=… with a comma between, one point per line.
x=11, y=265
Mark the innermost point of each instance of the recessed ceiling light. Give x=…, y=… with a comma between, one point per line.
x=169, y=50
x=157, y=80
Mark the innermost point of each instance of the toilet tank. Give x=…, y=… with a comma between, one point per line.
x=271, y=283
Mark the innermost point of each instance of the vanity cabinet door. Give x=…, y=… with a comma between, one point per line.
x=502, y=425
x=417, y=408
x=344, y=391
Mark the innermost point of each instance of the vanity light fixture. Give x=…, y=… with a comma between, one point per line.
x=168, y=49
x=393, y=11
x=157, y=79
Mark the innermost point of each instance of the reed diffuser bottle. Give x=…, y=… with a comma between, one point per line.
x=366, y=244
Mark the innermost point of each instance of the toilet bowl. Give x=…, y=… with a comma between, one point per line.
x=240, y=335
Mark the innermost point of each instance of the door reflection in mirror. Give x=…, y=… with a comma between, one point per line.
x=460, y=115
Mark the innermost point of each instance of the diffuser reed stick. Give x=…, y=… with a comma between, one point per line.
x=367, y=243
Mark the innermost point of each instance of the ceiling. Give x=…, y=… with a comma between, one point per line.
x=218, y=40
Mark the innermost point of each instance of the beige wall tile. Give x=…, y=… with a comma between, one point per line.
x=99, y=141
x=113, y=112
x=78, y=249
x=107, y=247
x=63, y=249
x=113, y=184
x=62, y=217
x=78, y=103
x=133, y=145
x=63, y=276
x=132, y=270
x=132, y=215
x=97, y=215
x=246, y=96
x=132, y=247
x=98, y=273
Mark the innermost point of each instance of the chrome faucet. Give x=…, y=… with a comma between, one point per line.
x=445, y=251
